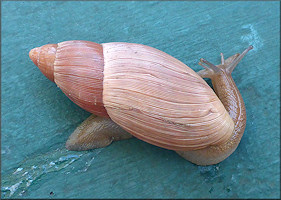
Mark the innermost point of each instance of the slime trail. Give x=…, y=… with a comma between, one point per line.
x=16, y=183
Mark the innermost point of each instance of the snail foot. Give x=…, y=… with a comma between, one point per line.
x=95, y=132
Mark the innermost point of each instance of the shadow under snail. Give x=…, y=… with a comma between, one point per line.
x=137, y=90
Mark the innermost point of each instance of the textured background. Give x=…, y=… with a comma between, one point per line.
x=37, y=117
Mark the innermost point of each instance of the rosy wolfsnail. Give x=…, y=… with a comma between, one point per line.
x=133, y=89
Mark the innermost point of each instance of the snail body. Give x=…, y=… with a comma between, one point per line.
x=149, y=94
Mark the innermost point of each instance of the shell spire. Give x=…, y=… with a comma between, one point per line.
x=77, y=69
x=44, y=58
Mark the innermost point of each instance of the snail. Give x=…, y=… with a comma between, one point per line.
x=137, y=90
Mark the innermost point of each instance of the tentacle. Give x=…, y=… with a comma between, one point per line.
x=222, y=59
x=234, y=63
x=227, y=65
x=210, y=69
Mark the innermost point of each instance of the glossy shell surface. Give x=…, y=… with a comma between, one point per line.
x=160, y=100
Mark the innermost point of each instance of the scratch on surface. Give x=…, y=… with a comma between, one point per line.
x=252, y=38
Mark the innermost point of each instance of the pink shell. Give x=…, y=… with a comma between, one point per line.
x=78, y=72
x=160, y=100
x=149, y=93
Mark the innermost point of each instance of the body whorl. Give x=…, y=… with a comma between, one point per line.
x=160, y=100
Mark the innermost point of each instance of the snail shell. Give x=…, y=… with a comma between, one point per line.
x=149, y=93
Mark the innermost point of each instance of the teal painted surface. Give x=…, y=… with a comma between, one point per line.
x=37, y=117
